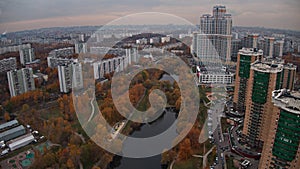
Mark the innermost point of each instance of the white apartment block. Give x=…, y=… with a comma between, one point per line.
x=115, y=64
x=80, y=48
x=26, y=55
x=8, y=64
x=70, y=75
x=14, y=48
x=20, y=81
x=63, y=52
x=213, y=41
x=55, y=61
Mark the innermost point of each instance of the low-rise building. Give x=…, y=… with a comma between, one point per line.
x=21, y=142
x=154, y=40
x=215, y=77
x=141, y=41
x=9, y=124
x=12, y=133
x=165, y=39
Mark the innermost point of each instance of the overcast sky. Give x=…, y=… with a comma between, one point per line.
x=29, y=14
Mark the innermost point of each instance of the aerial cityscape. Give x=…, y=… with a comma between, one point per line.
x=150, y=90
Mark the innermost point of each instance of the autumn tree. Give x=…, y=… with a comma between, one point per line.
x=6, y=116
x=178, y=104
x=168, y=156
x=185, y=150
x=193, y=135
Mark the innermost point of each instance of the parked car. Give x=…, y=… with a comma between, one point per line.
x=4, y=152
x=2, y=144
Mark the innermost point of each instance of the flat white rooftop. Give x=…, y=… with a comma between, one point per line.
x=287, y=100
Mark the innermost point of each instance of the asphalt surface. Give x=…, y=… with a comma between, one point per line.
x=221, y=140
x=214, y=126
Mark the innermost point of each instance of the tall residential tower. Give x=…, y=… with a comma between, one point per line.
x=264, y=78
x=282, y=144
x=213, y=42
x=27, y=55
x=70, y=75
x=20, y=81
x=246, y=56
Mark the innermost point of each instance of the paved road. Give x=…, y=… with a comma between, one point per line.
x=115, y=134
x=222, y=146
x=254, y=163
x=214, y=126
x=93, y=108
x=240, y=147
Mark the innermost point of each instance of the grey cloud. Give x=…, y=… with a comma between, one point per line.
x=263, y=10
x=15, y=10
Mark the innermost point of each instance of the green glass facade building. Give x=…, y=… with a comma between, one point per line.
x=246, y=56
x=263, y=80
x=281, y=149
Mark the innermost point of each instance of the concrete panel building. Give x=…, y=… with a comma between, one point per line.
x=8, y=64
x=15, y=48
x=70, y=75
x=20, y=81
x=115, y=64
x=63, y=52
x=53, y=62
x=80, y=47
x=27, y=55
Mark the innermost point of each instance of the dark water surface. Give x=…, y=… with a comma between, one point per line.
x=147, y=130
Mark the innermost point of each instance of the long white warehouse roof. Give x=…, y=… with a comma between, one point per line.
x=21, y=141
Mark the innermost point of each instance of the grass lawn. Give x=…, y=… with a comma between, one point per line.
x=189, y=164
x=51, y=113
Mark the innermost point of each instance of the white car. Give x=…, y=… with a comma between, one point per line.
x=4, y=152
x=35, y=132
x=2, y=144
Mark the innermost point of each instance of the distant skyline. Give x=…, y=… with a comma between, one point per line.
x=33, y=14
